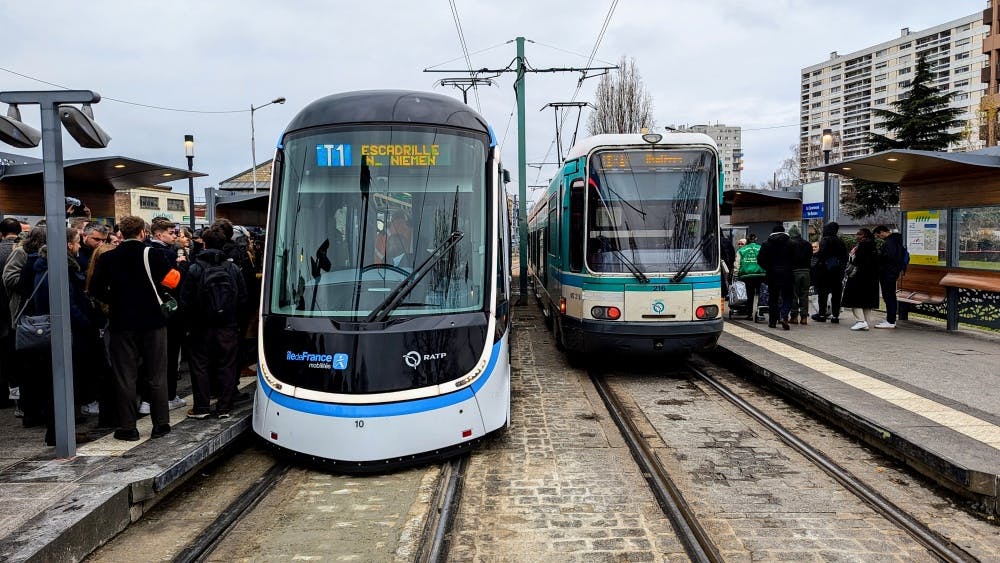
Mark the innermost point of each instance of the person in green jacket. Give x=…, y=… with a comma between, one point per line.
x=749, y=271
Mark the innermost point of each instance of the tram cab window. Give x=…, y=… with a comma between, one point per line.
x=650, y=210
x=393, y=198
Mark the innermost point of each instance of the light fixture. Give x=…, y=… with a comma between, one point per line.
x=189, y=146
x=846, y=168
x=80, y=124
x=119, y=166
x=652, y=138
x=167, y=174
x=892, y=159
x=16, y=133
x=827, y=140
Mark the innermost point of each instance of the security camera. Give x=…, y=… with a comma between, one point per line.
x=16, y=133
x=79, y=123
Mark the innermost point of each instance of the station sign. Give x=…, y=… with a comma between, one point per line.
x=812, y=200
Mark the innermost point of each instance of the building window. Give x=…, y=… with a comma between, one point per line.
x=149, y=202
x=960, y=96
x=175, y=205
x=817, y=83
x=904, y=70
x=962, y=69
x=880, y=78
x=962, y=55
x=816, y=105
x=835, y=89
x=880, y=65
x=879, y=101
x=961, y=84
x=880, y=53
x=835, y=101
x=965, y=27
x=903, y=84
x=962, y=42
x=903, y=60
x=879, y=89
x=905, y=46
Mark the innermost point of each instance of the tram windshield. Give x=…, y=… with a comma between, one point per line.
x=651, y=210
x=360, y=211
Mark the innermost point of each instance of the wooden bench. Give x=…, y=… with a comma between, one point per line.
x=921, y=285
x=982, y=281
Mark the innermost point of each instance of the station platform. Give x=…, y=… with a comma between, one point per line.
x=55, y=510
x=925, y=396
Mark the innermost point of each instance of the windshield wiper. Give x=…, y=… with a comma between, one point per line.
x=628, y=263
x=689, y=263
x=395, y=297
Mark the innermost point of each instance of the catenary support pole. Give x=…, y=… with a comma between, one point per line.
x=522, y=180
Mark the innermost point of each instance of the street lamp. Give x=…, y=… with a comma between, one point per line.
x=189, y=153
x=253, y=144
x=57, y=114
x=827, y=145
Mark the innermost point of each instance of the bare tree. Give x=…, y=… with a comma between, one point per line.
x=788, y=173
x=622, y=103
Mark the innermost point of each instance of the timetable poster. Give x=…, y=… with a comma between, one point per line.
x=923, y=231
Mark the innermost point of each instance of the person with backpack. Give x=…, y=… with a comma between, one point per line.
x=892, y=259
x=748, y=271
x=831, y=259
x=214, y=294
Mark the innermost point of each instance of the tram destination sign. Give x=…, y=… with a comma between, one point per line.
x=344, y=155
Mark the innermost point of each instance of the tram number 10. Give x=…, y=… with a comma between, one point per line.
x=359, y=424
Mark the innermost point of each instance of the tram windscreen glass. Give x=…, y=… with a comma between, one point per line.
x=651, y=208
x=358, y=210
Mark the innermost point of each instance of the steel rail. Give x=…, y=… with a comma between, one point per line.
x=696, y=541
x=206, y=542
x=942, y=548
x=441, y=520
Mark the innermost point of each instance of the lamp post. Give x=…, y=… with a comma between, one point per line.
x=253, y=144
x=189, y=153
x=827, y=145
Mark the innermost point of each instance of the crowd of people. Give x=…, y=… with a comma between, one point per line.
x=842, y=279
x=142, y=296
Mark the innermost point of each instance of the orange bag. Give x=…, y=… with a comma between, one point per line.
x=172, y=279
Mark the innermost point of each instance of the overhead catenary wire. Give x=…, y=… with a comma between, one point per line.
x=465, y=49
x=579, y=84
x=109, y=98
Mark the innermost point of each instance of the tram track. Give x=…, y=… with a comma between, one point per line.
x=938, y=546
x=697, y=542
x=433, y=544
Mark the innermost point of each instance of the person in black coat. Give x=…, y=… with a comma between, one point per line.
x=890, y=266
x=137, y=326
x=861, y=280
x=81, y=317
x=802, y=255
x=831, y=259
x=776, y=259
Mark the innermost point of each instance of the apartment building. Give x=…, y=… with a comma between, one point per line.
x=839, y=94
x=729, y=140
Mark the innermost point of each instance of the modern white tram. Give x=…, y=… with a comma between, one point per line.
x=385, y=309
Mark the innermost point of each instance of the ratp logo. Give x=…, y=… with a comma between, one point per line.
x=658, y=307
x=412, y=358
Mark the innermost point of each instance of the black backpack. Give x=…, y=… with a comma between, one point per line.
x=218, y=294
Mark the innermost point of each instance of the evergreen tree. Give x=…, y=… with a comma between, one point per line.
x=920, y=120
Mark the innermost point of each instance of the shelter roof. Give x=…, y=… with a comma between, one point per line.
x=113, y=172
x=906, y=165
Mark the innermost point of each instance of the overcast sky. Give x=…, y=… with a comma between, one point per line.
x=718, y=61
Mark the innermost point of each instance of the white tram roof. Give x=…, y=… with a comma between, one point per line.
x=586, y=146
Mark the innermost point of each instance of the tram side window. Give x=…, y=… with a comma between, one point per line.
x=553, y=227
x=576, y=225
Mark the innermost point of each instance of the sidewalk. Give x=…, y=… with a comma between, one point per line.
x=61, y=509
x=923, y=395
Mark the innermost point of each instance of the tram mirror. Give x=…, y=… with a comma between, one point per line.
x=506, y=176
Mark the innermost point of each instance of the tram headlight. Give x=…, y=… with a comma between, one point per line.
x=707, y=312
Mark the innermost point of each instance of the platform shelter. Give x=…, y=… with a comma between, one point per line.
x=950, y=213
